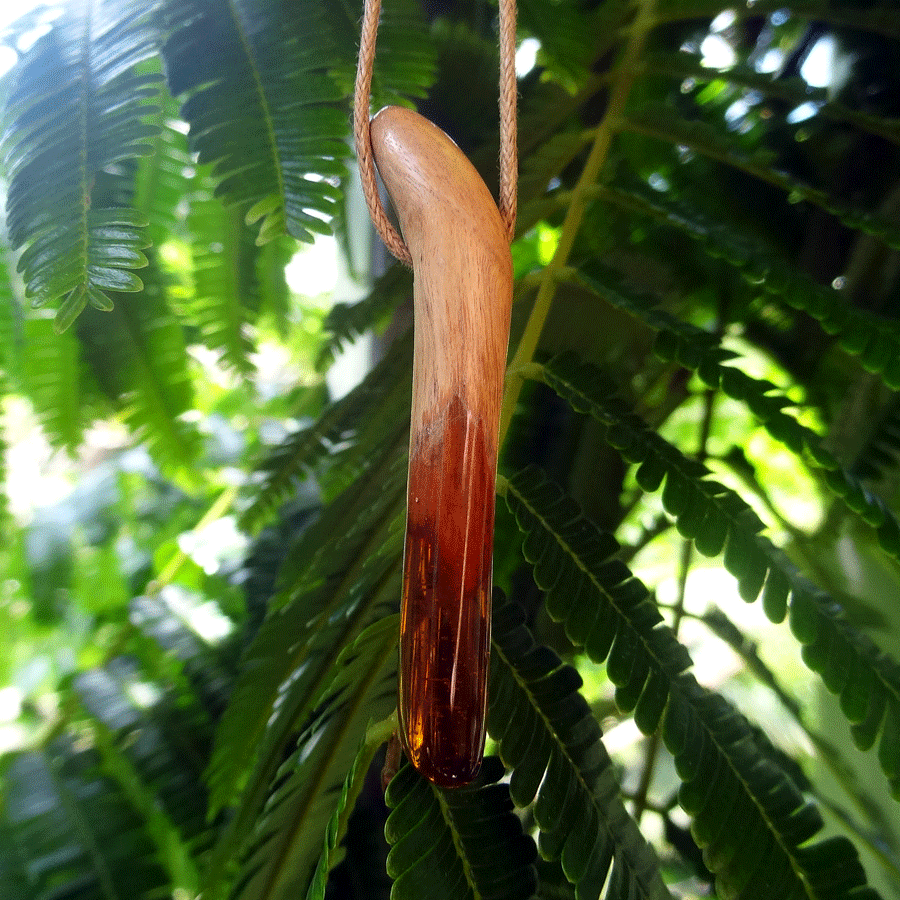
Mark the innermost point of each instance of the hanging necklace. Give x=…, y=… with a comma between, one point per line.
x=457, y=242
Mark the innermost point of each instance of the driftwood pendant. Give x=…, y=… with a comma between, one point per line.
x=462, y=272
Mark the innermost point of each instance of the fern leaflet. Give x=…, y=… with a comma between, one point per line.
x=446, y=843
x=611, y=614
x=549, y=738
x=278, y=141
x=73, y=112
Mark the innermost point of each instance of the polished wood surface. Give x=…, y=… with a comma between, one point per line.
x=462, y=294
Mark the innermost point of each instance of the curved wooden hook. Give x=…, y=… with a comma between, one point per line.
x=462, y=271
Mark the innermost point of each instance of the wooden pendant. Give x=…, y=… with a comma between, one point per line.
x=462, y=272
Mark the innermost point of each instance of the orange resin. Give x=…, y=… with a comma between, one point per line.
x=462, y=293
x=445, y=625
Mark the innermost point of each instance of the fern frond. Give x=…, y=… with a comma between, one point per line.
x=551, y=741
x=793, y=90
x=263, y=109
x=77, y=831
x=880, y=457
x=569, y=35
x=52, y=378
x=406, y=61
x=159, y=786
x=138, y=354
x=333, y=592
x=826, y=752
x=166, y=176
x=281, y=858
x=333, y=851
x=77, y=108
x=708, y=140
x=874, y=339
x=328, y=602
x=224, y=302
x=717, y=519
x=547, y=162
x=602, y=604
x=17, y=881
x=699, y=351
x=144, y=750
x=879, y=18
x=347, y=321
x=172, y=652
x=447, y=843
x=749, y=817
x=291, y=462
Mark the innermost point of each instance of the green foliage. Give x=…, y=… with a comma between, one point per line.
x=71, y=115
x=199, y=592
x=447, y=843
x=273, y=105
x=550, y=740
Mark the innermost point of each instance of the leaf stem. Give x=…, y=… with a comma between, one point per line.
x=641, y=795
x=603, y=135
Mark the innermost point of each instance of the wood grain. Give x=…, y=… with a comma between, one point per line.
x=462, y=272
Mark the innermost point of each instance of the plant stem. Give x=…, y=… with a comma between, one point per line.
x=641, y=801
x=625, y=74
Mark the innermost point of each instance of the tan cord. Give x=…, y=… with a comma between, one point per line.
x=509, y=154
x=362, y=94
x=509, y=165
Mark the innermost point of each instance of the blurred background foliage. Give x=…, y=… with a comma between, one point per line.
x=205, y=389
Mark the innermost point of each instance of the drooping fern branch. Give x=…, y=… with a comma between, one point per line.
x=448, y=843
x=75, y=110
x=299, y=454
x=263, y=108
x=613, y=617
x=698, y=350
x=875, y=339
x=717, y=520
x=280, y=860
x=551, y=741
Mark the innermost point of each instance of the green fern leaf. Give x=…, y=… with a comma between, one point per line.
x=867, y=680
x=172, y=653
x=278, y=136
x=289, y=464
x=880, y=18
x=17, y=881
x=161, y=788
x=550, y=740
x=281, y=858
x=165, y=177
x=224, y=302
x=874, y=339
x=696, y=349
x=604, y=608
x=880, y=456
x=77, y=108
x=794, y=90
x=331, y=598
x=347, y=321
x=146, y=751
x=406, y=61
x=447, y=843
x=76, y=829
x=826, y=752
x=749, y=817
x=571, y=38
x=53, y=380
x=706, y=139
x=333, y=851
x=138, y=354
